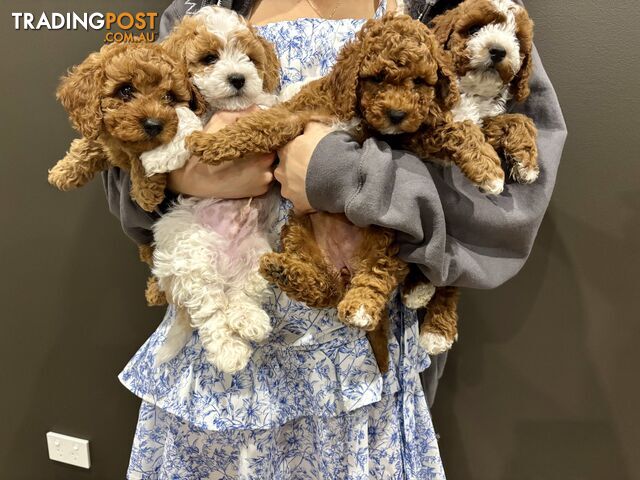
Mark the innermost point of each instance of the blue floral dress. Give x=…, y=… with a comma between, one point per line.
x=312, y=403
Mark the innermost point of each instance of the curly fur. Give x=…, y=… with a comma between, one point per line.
x=207, y=251
x=395, y=64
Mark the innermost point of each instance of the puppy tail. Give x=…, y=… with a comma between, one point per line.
x=177, y=337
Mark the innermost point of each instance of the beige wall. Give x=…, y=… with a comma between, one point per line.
x=542, y=384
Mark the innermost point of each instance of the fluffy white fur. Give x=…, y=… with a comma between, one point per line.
x=419, y=296
x=174, y=154
x=360, y=319
x=214, y=277
x=483, y=93
x=434, y=343
x=207, y=252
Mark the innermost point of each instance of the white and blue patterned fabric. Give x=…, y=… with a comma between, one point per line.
x=312, y=403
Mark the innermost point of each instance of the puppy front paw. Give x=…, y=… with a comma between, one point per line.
x=524, y=166
x=63, y=179
x=202, y=145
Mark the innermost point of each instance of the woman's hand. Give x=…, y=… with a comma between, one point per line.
x=247, y=177
x=294, y=163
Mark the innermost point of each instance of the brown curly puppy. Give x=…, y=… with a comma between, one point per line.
x=392, y=79
x=122, y=100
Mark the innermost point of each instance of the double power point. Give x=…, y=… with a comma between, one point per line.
x=66, y=449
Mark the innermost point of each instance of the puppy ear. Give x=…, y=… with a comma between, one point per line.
x=342, y=81
x=444, y=25
x=197, y=103
x=79, y=92
x=447, y=86
x=175, y=43
x=520, y=83
x=270, y=67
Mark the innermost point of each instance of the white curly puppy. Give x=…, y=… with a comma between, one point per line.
x=207, y=251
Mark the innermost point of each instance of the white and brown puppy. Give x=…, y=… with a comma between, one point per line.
x=490, y=42
x=207, y=251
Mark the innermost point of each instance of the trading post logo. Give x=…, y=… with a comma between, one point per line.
x=118, y=27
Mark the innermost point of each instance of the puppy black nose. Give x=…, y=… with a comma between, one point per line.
x=396, y=116
x=236, y=80
x=152, y=126
x=497, y=54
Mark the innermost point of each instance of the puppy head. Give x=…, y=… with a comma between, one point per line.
x=126, y=94
x=394, y=75
x=229, y=63
x=490, y=42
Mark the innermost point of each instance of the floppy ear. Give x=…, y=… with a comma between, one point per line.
x=175, y=43
x=520, y=83
x=270, y=67
x=197, y=103
x=342, y=81
x=444, y=25
x=447, y=86
x=79, y=92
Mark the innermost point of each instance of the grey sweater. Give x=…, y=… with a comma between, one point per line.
x=457, y=235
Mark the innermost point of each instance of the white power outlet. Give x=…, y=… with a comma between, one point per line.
x=71, y=450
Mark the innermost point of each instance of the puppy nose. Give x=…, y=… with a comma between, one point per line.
x=236, y=80
x=396, y=116
x=152, y=126
x=497, y=54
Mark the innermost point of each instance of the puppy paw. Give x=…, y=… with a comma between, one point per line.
x=61, y=179
x=227, y=352
x=524, y=171
x=201, y=145
x=419, y=295
x=153, y=294
x=249, y=321
x=493, y=186
x=356, y=314
x=435, y=343
x=273, y=270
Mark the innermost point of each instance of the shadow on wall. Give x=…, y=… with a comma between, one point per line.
x=545, y=416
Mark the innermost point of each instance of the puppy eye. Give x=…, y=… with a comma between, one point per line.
x=125, y=92
x=474, y=29
x=376, y=78
x=419, y=81
x=209, y=59
x=170, y=97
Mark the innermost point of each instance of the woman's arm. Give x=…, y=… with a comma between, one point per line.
x=455, y=233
